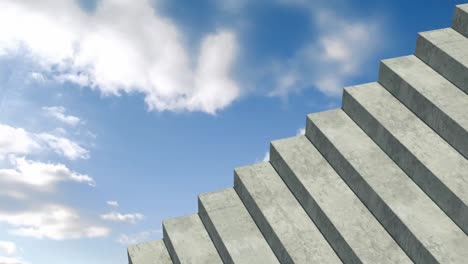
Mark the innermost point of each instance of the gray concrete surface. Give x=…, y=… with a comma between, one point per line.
x=460, y=19
x=232, y=229
x=350, y=228
x=290, y=232
x=445, y=51
x=188, y=241
x=434, y=99
x=429, y=160
x=409, y=215
x=153, y=252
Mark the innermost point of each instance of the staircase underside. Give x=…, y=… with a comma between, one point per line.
x=384, y=179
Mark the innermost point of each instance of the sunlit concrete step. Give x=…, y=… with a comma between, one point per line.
x=188, y=241
x=149, y=253
x=429, y=160
x=446, y=51
x=286, y=226
x=232, y=229
x=348, y=225
x=460, y=19
x=408, y=214
x=430, y=96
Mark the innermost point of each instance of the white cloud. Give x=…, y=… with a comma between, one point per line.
x=19, y=141
x=7, y=248
x=12, y=260
x=58, y=112
x=341, y=48
x=139, y=237
x=64, y=146
x=300, y=131
x=118, y=217
x=41, y=175
x=267, y=156
x=122, y=47
x=16, y=140
x=113, y=203
x=54, y=222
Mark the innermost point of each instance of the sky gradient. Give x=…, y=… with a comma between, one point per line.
x=116, y=114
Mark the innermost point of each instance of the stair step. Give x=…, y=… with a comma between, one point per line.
x=421, y=229
x=460, y=19
x=148, y=253
x=434, y=99
x=445, y=50
x=344, y=220
x=286, y=226
x=232, y=229
x=188, y=241
x=430, y=161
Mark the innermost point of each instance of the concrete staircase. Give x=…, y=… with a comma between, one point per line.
x=384, y=179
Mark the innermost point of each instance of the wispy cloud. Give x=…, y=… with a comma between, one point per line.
x=12, y=260
x=113, y=203
x=122, y=47
x=139, y=237
x=50, y=221
x=267, y=156
x=64, y=146
x=118, y=217
x=39, y=174
x=7, y=248
x=58, y=112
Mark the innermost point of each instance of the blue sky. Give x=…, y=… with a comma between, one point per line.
x=116, y=114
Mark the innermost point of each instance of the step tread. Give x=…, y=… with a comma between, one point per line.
x=287, y=220
x=420, y=140
x=445, y=50
x=446, y=104
x=149, y=253
x=188, y=241
x=237, y=232
x=460, y=19
x=444, y=240
x=325, y=188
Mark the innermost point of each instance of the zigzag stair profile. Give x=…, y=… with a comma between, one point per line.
x=384, y=179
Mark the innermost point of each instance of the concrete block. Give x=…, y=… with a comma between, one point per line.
x=153, y=252
x=417, y=224
x=232, y=229
x=286, y=226
x=428, y=159
x=351, y=229
x=460, y=19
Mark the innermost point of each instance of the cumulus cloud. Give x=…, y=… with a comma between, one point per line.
x=19, y=141
x=267, y=156
x=12, y=260
x=138, y=237
x=7, y=248
x=341, y=47
x=51, y=221
x=300, y=131
x=123, y=46
x=113, y=203
x=39, y=174
x=58, y=112
x=118, y=217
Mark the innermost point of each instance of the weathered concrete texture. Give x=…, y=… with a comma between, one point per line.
x=434, y=99
x=344, y=220
x=428, y=159
x=153, y=252
x=408, y=214
x=188, y=241
x=460, y=19
x=232, y=229
x=286, y=226
x=445, y=51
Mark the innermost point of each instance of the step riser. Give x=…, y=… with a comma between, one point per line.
x=257, y=215
x=413, y=167
x=397, y=229
x=441, y=62
x=217, y=241
x=332, y=235
x=434, y=117
x=460, y=20
x=170, y=247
